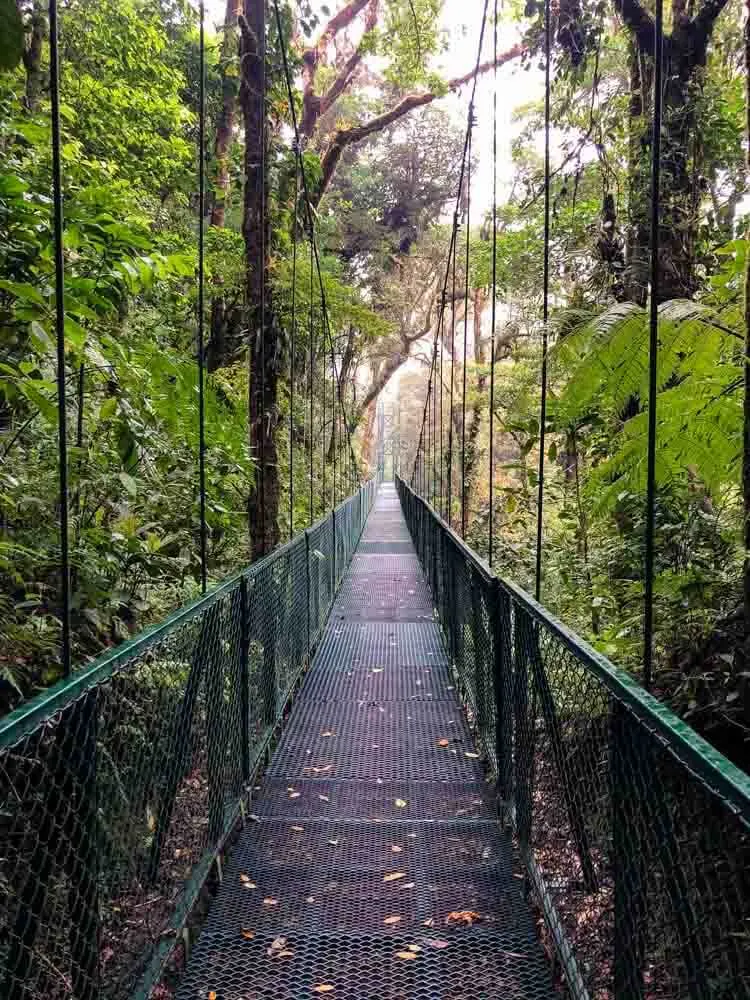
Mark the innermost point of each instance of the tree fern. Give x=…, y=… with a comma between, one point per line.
x=601, y=367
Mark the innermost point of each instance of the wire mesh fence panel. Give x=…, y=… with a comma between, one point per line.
x=119, y=786
x=634, y=832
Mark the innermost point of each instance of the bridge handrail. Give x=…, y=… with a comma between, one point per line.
x=120, y=785
x=619, y=808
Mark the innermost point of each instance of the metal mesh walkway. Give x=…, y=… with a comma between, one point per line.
x=373, y=868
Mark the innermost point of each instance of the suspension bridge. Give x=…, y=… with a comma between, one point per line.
x=366, y=766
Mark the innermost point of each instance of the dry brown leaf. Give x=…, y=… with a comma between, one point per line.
x=392, y=876
x=395, y=919
x=396, y=849
x=333, y=843
x=430, y=922
x=463, y=917
x=400, y=803
x=298, y=829
x=324, y=988
x=212, y=995
x=471, y=754
x=407, y=885
x=324, y=798
x=247, y=934
x=415, y=948
x=377, y=670
x=328, y=733
x=405, y=955
x=443, y=743
x=270, y=901
x=436, y=943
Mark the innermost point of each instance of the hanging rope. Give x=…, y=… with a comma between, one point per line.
x=293, y=347
x=653, y=349
x=466, y=326
x=490, y=546
x=545, y=304
x=441, y=334
x=201, y=293
x=311, y=387
x=453, y=369
x=451, y=263
x=311, y=231
x=62, y=411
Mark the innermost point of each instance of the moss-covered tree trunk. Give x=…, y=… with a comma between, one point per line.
x=263, y=353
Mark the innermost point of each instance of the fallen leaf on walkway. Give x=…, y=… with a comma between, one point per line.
x=407, y=885
x=469, y=753
x=298, y=829
x=443, y=743
x=405, y=955
x=377, y=670
x=396, y=849
x=333, y=843
x=436, y=943
x=328, y=733
x=270, y=901
x=463, y=917
x=401, y=803
x=247, y=881
x=278, y=944
x=392, y=876
x=415, y=948
x=294, y=795
x=247, y=934
x=430, y=922
x=396, y=919
x=212, y=995
x=323, y=988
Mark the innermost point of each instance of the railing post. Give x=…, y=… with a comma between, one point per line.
x=267, y=597
x=244, y=654
x=83, y=862
x=523, y=730
x=216, y=728
x=503, y=685
x=628, y=862
x=334, y=580
x=479, y=638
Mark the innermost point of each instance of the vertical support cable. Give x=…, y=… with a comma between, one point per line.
x=441, y=329
x=293, y=345
x=490, y=545
x=545, y=306
x=62, y=412
x=311, y=388
x=653, y=350
x=323, y=442
x=264, y=278
x=453, y=366
x=466, y=326
x=201, y=292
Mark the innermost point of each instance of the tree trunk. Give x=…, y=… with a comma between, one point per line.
x=264, y=360
x=225, y=124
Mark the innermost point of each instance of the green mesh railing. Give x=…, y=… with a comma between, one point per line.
x=634, y=832
x=120, y=786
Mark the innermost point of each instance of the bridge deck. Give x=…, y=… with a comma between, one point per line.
x=374, y=868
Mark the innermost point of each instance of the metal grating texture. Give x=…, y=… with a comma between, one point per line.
x=372, y=864
x=634, y=832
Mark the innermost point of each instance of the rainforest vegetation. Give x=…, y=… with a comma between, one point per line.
x=378, y=86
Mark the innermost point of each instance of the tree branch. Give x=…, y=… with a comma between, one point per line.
x=347, y=137
x=311, y=102
x=639, y=21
